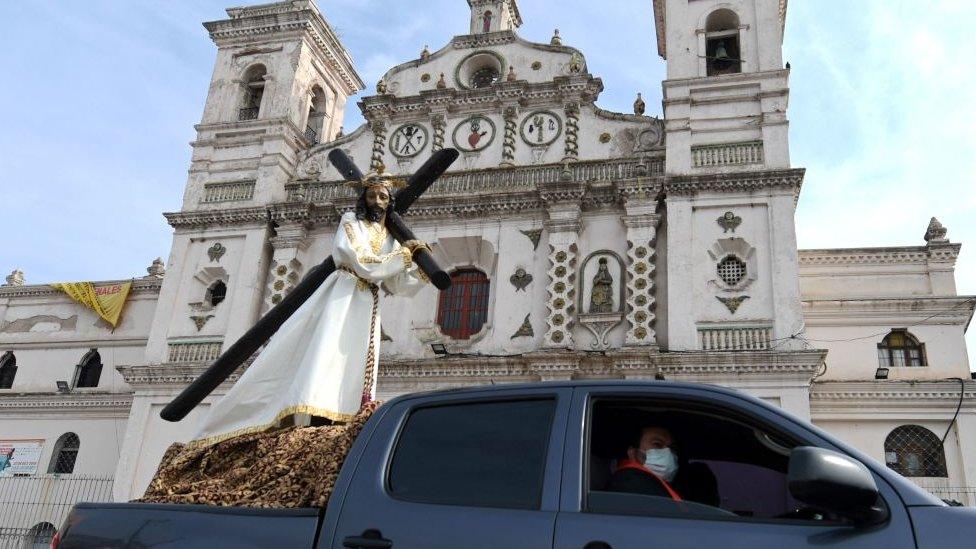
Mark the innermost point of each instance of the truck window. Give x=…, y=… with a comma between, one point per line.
x=484, y=454
x=716, y=465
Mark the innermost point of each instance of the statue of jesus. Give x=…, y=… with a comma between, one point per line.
x=323, y=360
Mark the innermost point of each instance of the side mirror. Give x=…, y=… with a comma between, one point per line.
x=836, y=483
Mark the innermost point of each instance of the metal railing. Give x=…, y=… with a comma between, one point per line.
x=228, y=192
x=727, y=154
x=27, y=503
x=248, y=113
x=940, y=488
x=497, y=179
x=311, y=135
x=734, y=338
x=194, y=351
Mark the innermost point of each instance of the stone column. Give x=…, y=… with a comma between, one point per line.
x=438, y=122
x=508, y=145
x=571, y=149
x=641, y=223
x=379, y=141
x=563, y=201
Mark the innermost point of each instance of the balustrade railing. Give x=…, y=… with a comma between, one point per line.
x=497, y=179
x=311, y=135
x=228, y=192
x=194, y=351
x=248, y=113
x=734, y=338
x=727, y=154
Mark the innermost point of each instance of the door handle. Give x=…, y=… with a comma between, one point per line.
x=597, y=545
x=370, y=539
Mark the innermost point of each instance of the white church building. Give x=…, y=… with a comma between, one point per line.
x=582, y=244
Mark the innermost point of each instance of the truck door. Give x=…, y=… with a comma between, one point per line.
x=731, y=458
x=473, y=470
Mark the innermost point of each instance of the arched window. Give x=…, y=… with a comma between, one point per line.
x=914, y=451
x=900, y=348
x=253, y=92
x=8, y=369
x=316, y=115
x=216, y=293
x=89, y=370
x=722, y=52
x=65, y=454
x=463, y=308
x=40, y=535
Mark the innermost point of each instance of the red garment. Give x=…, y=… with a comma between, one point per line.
x=631, y=464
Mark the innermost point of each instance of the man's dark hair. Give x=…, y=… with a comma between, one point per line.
x=362, y=209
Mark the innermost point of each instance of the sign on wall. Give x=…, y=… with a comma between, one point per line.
x=20, y=457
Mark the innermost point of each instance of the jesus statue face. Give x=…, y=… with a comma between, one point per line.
x=377, y=201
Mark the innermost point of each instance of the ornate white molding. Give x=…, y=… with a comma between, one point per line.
x=75, y=402
x=898, y=255
x=139, y=286
x=216, y=218
x=170, y=374
x=901, y=311
x=790, y=179
x=891, y=396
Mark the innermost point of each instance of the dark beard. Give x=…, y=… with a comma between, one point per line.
x=374, y=213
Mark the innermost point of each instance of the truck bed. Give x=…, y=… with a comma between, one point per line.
x=109, y=525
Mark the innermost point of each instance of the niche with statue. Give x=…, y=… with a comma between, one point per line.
x=601, y=301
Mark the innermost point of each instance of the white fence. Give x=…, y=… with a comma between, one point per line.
x=29, y=504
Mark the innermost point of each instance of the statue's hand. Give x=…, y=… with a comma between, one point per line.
x=414, y=245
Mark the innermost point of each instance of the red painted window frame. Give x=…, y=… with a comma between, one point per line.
x=462, y=309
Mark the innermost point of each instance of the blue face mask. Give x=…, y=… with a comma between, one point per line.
x=662, y=462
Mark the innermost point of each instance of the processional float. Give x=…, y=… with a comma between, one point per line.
x=261, y=332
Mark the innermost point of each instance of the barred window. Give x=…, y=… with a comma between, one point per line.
x=253, y=93
x=8, y=370
x=463, y=308
x=914, y=451
x=89, y=370
x=731, y=270
x=900, y=348
x=40, y=535
x=65, y=454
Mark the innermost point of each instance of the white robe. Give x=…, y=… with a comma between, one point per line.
x=324, y=358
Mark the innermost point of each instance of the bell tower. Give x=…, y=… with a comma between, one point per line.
x=732, y=275
x=494, y=16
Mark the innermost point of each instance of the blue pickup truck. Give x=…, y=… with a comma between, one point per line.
x=533, y=466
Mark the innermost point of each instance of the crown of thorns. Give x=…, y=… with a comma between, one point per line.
x=377, y=178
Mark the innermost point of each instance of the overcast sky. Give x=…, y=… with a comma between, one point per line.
x=100, y=99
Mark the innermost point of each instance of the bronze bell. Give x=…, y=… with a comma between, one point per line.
x=720, y=52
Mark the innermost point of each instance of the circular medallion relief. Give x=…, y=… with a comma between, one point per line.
x=474, y=134
x=408, y=140
x=541, y=128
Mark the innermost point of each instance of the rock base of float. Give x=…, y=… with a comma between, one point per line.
x=288, y=467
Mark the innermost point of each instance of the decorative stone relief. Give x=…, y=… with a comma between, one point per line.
x=474, y=134
x=540, y=128
x=508, y=145
x=157, y=269
x=525, y=330
x=735, y=264
x=536, y=65
x=408, y=140
x=729, y=222
x=732, y=303
x=216, y=251
x=936, y=232
x=571, y=149
x=284, y=276
x=286, y=268
x=576, y=63
x=15, y=278
x=534, y=235
x=200, y=320
x=520, y=279
x=641, y=223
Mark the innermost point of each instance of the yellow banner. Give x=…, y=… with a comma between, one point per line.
x=106, y=299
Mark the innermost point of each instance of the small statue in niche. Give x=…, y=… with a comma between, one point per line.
x=601, y=296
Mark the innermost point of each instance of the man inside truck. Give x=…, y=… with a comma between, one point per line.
x=649, y=465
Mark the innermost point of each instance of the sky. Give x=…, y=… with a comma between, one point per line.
x=101, y=97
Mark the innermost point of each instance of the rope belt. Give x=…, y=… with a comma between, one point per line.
x=361, y=283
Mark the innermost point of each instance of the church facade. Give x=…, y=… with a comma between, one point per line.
x=582, y=244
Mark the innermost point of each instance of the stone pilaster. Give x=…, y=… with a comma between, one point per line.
x=287, y=269
x=641, y=223
x=563, y=202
